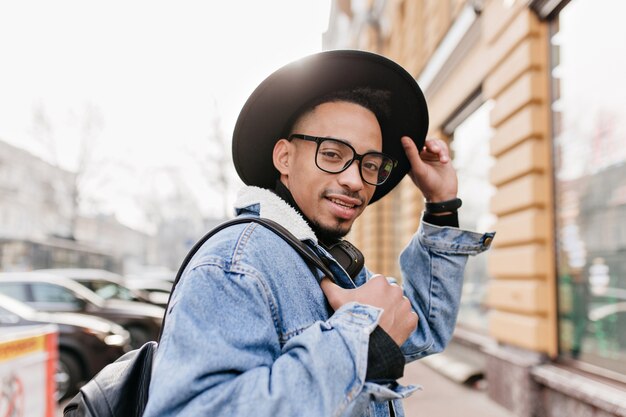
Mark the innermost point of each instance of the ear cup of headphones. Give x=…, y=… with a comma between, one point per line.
x=348, y=256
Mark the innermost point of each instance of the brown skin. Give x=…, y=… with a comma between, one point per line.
x=323, y=197
x=431, y=170
x=398, y=319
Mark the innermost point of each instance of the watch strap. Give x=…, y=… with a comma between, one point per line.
x=444, y=206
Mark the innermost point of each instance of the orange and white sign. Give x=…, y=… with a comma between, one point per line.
x=28, y=357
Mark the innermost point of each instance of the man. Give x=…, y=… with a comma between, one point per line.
x=252, y=330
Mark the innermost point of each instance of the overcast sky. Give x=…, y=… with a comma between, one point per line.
x=156, y=74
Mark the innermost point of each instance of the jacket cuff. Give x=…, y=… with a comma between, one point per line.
x=454, y=240
x=356, y=316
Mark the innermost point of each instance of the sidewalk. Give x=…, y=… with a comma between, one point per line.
x=442, y=397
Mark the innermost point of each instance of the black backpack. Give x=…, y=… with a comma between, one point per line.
x=120, y=389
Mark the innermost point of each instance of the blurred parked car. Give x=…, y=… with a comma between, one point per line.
x=156, y=290
x=106, y=284
x=158, y=274
x=86, y=343
x=53, y=293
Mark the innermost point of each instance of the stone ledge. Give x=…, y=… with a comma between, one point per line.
x=464, y=360
x=509, y=382
x=473, y=339
x=597, y=394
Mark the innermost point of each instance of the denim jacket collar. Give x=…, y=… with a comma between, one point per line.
x=265, y=203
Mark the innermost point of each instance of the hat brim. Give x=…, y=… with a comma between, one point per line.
x=280, y=96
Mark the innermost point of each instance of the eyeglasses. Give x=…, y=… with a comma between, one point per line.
x=335, y=156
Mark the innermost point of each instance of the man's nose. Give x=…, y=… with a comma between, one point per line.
x=351, y=177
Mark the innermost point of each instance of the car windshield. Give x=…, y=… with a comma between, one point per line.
x=108, y=290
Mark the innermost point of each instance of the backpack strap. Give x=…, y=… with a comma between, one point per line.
x=312, y=260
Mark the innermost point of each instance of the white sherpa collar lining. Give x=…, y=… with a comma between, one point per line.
x=275, y=208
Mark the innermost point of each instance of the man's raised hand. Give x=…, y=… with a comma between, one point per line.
x=431, y=169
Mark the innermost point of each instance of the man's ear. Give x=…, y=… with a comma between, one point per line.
x=281, y=156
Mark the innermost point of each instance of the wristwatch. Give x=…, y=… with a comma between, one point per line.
x=443, y=206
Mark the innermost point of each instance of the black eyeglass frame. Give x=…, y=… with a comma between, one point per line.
x=356, y=156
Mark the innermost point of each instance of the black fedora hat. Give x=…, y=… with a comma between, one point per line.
x=273, y=104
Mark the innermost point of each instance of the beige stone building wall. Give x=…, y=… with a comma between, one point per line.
x=523, y=295
x=508, y=63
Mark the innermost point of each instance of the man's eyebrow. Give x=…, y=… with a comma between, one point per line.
x=348, y=142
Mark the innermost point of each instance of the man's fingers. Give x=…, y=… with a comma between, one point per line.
x=410, y=148
x=328, y=286
x=397, y=319
x=413, y=320
x=378, y=277
x=412, y=153
x=437, y=149
x=333, y=292
x=434, y=150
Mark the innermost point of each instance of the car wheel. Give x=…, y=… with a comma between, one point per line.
x=138, y=336
x=68, y=375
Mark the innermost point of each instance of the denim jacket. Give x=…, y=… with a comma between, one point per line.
x=249, y=332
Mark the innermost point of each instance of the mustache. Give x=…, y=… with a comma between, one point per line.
x=355, y=195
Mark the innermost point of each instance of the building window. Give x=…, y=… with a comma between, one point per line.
x=589, y=123
x=472, y=160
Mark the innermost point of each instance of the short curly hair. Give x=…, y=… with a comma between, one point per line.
x=375, y=100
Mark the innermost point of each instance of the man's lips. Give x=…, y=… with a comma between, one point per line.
x=345, y=202
x=353, y=200
x=343, y=206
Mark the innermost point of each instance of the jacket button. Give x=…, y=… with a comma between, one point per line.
x=487, y=241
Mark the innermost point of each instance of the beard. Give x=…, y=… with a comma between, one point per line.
x=333, y=233
x=328, y=234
